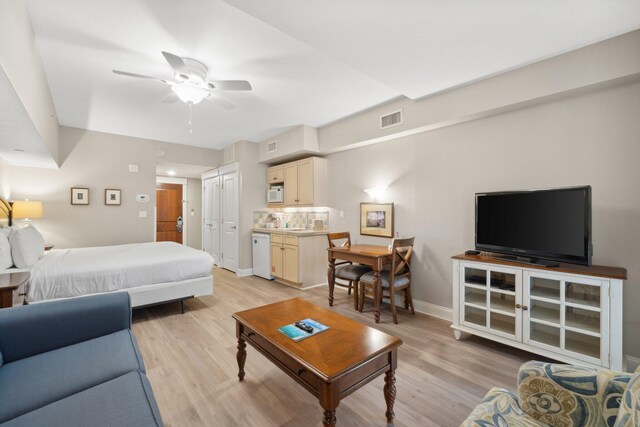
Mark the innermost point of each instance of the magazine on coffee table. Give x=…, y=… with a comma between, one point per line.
x=299, y=333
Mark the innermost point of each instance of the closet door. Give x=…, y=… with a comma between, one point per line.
x=211, y=217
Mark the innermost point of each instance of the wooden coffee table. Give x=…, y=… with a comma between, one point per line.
x=330, y=365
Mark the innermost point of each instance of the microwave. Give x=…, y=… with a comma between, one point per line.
x=275, y=194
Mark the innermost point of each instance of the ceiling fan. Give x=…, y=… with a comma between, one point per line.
x=191, y=85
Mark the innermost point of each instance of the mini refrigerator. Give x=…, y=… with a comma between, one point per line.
x=261, y=244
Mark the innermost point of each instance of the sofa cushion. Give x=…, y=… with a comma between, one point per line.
x=499, y=408
x=571, y=396
x=124, y=401
x=36, y=381
x=629, y=413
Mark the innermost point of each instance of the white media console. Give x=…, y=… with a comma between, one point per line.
x=569, y=313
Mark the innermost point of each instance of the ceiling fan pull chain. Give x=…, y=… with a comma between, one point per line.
x=190, y=116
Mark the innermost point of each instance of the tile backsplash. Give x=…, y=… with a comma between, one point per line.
x=290, y=219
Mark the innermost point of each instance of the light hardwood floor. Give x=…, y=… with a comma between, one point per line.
x=191, y=363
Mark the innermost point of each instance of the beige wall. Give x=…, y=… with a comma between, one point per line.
x=253, y=195
x=194, y=202
x=614, y=59
x=186, y=154
x=98, y=161
x=589, y=138
x=20, y=60
x=294, y=143
x=5, y=181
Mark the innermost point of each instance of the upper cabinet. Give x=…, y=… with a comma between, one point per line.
x=304, y=182
x=275, y=174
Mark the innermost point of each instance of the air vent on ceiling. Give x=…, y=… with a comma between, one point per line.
x=272, y=147
x=229, y=154
x=391, y=119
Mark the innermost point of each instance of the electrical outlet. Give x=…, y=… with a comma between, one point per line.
x=133, y=168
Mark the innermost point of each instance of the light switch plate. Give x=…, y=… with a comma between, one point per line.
x=341, y=214
x=142, y=214
x=133, y=168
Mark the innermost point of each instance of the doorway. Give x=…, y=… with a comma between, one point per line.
x=170, y=219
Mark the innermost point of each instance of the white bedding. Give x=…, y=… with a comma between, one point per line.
x=64, y=273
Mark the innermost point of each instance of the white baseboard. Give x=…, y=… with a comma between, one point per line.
x=632, y=363
x=243, y=272
x=434, y=310
x=424, y=307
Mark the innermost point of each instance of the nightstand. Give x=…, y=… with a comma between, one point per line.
x=13, y=288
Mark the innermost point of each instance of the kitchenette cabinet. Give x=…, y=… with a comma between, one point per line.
x=304, y=182
x=298, y=258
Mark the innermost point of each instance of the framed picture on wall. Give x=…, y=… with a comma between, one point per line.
x=112, y=197
x=79, y=196
x=376, y=219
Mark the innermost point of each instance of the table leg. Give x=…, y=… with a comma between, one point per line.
x=389, y=393
x=242, y=357
x=329, y=418
x=331, y=279
x=377, y=293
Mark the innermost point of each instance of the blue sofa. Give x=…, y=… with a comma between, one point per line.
x=73, y=363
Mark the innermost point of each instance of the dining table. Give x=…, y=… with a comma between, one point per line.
x=374, y=256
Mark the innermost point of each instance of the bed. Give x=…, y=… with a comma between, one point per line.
x=152, y=273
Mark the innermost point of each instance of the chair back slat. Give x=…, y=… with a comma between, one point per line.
x=402, y=249
x=341, y=239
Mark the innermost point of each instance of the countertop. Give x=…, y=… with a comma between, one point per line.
x=292, y=232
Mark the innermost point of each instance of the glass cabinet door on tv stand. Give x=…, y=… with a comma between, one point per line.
x=567, y=314
x=489, y=300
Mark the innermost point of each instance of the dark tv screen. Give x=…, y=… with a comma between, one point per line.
x=550, y=224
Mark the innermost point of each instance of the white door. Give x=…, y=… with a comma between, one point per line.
x=211, y=217
x=229, y=239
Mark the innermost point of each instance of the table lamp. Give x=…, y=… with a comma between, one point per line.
x=26, y=210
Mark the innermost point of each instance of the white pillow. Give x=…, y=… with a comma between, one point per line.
x=5, y=231
x=5, y=251
x=27, y=246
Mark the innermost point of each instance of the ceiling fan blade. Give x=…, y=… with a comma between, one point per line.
x=172, y=98
x=230, y=85
x=176, y=62
x=140, y=76
x=221, y=102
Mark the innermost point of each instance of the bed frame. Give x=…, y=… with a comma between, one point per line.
x=159, y=293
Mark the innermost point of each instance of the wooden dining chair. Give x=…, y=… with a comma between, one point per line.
x=346, y=270
x=396, y=278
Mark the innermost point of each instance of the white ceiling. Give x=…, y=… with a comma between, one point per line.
x=309, y=62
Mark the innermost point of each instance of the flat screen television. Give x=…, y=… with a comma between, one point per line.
x=536, y=225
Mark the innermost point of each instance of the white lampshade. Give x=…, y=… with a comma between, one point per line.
x=189, y=93
x=26, y=209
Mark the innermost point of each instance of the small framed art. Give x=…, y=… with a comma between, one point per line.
x=79, y=196
x=376, y=219
x=112, y=197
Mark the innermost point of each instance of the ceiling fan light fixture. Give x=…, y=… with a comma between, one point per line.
x=189, y=93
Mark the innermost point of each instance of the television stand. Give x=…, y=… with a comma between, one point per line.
x=530, y=261
x=571, y=313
